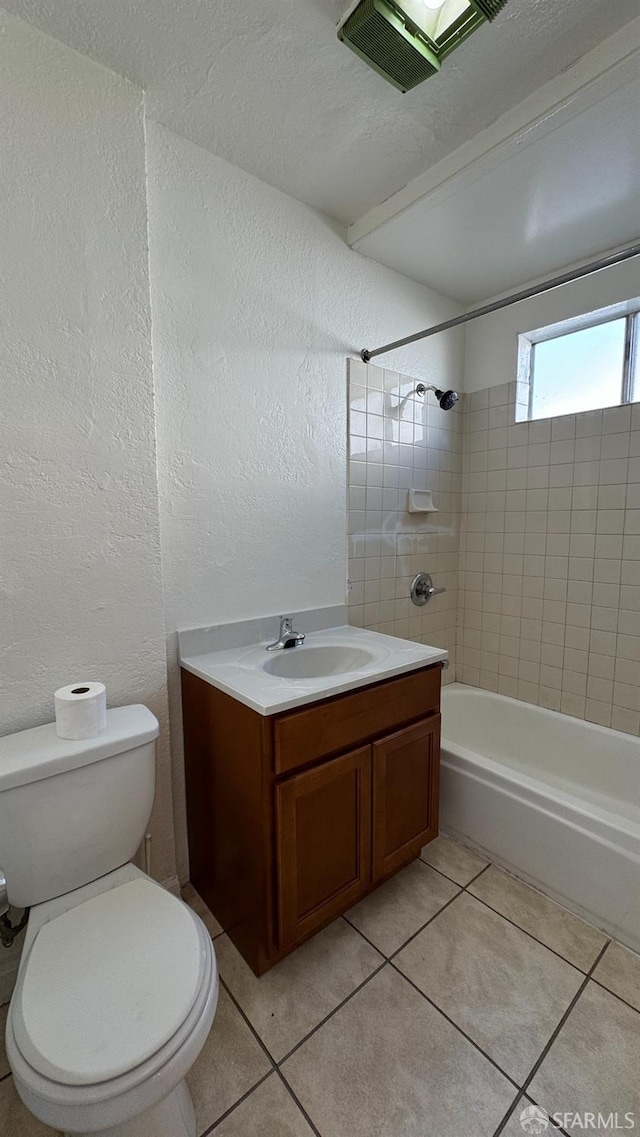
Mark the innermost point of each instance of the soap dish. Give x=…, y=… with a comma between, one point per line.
x=420, y=501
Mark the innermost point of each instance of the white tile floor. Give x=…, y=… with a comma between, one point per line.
x=443, y=1005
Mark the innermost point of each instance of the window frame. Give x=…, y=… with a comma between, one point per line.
x=629, y=311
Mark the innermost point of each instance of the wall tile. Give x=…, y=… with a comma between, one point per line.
x=537, y=541
x=399, y=441
x=563, y=495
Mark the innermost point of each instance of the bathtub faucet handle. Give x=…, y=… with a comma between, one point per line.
x=423, y=588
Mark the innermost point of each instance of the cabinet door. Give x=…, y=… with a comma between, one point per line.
x=323, y=834
x=406, y=768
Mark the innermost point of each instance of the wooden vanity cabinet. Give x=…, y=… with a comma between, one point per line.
x=293, y=818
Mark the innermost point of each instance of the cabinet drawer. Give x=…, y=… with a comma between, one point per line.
x=342, y=722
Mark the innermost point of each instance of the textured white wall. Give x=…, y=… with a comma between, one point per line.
x=491, y=343
x=81, y=544
x=256, y=303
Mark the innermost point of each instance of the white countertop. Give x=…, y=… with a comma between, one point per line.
x=239, y=671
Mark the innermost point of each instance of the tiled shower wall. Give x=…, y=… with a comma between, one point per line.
x=397, y=442
x=549, y=606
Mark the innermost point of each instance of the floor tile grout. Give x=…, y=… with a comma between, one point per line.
x=522, y=1097
x=276, y=1065
x=299, y=1104
x=249, y=1092
x=413, y=935
x=335, y=1010
x=464, y=1034
x=604, y=987
x=555, y=1128
x=390, y=959
x=509, y=1114
x=556, y=1032
x=247, y=1020
x=425, y=925
x=492, y=864
x=450, y=878
x=530, y=934
x=474, y=878
x=365, y=938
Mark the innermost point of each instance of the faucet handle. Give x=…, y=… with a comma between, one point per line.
x=423, y=588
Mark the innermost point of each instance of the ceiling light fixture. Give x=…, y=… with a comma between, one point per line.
x=405, y=41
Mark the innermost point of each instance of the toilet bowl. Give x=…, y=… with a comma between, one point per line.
x=116, y=994
x=117, y=984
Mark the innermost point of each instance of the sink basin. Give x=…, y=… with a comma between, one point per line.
x=314, y=662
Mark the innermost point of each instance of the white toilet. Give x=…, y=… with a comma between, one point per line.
x=118, y=984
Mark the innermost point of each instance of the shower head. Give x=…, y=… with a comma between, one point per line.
x=447, y=399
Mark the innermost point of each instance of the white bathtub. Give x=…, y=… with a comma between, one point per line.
x=552, y=798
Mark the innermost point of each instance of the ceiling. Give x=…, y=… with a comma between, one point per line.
x=562, y=189
x=267, y=85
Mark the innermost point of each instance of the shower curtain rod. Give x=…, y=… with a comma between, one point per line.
x=515, y=298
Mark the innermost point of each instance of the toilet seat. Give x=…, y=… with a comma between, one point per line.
x=107, y=984
x=93, y=1105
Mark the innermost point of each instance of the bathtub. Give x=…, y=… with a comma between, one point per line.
x=554, y=799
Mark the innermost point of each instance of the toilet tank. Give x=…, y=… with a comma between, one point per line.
x=71, y=811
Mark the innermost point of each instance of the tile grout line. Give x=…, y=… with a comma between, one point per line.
x=530, y=934
x=603, y=987
x=225, y=1115
x=365, y=938
x=557, y=1128
x=263, y=1045
x=450, y=878
x=564, y=1018
x=335, y=1010
x=264, y=1077
x=425, y=925
x=389, y=960
x=615, y=995
x=492, y=864
x=522, y=1097
x=409, y=938
x=299, y=1104
x=435, y=1006
x=506, y=1117
x=488, y=865
x=523, y=1092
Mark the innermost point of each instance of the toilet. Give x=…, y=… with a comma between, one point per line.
x=117, y=985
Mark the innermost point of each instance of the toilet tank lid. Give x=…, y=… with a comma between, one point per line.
x=32, y=755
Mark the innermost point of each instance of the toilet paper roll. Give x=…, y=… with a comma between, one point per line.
x=81, y=710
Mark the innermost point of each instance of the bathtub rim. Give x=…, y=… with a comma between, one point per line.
x=544, y=838
x=561, y=797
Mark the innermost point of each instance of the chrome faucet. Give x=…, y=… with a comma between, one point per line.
x=287, y=636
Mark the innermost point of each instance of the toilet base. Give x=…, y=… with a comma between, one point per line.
x=174, y=1116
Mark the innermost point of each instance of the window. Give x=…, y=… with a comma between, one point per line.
x=580, y=365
